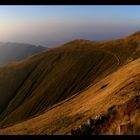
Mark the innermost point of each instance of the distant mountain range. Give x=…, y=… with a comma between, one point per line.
x=11, y=52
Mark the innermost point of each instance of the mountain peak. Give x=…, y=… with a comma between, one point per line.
x=136, y=33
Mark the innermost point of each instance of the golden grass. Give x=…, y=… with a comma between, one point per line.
x=121, y=87
x=66, y=81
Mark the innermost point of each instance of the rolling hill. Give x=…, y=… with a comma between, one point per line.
x=12, y=52
x=60, y=88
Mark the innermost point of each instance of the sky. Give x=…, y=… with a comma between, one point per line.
x=52, y=25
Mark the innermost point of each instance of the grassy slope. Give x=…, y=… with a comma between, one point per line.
x=121, y=90
x=13, y=76
x=52, y=76
x=57, y=77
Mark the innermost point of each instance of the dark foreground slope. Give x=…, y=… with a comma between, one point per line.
x=11, y=52
x=46, y=81
x=31, y=86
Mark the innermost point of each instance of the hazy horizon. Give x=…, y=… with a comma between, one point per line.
x=51, y=26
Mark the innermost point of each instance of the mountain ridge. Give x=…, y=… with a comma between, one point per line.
x=58, y=74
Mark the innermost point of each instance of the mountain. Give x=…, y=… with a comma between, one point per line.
x=58, y=89
x=12, y=52
x=118, y=95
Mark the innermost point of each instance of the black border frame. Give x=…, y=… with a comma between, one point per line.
x=70, y=2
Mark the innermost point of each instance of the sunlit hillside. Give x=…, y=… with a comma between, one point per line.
x=58, y=89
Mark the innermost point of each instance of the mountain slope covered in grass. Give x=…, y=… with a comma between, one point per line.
x=32, y=86
x=118, y=100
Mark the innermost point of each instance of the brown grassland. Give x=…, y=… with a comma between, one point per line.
x=57, y=90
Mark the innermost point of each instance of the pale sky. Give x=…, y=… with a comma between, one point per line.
x=54, y=25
